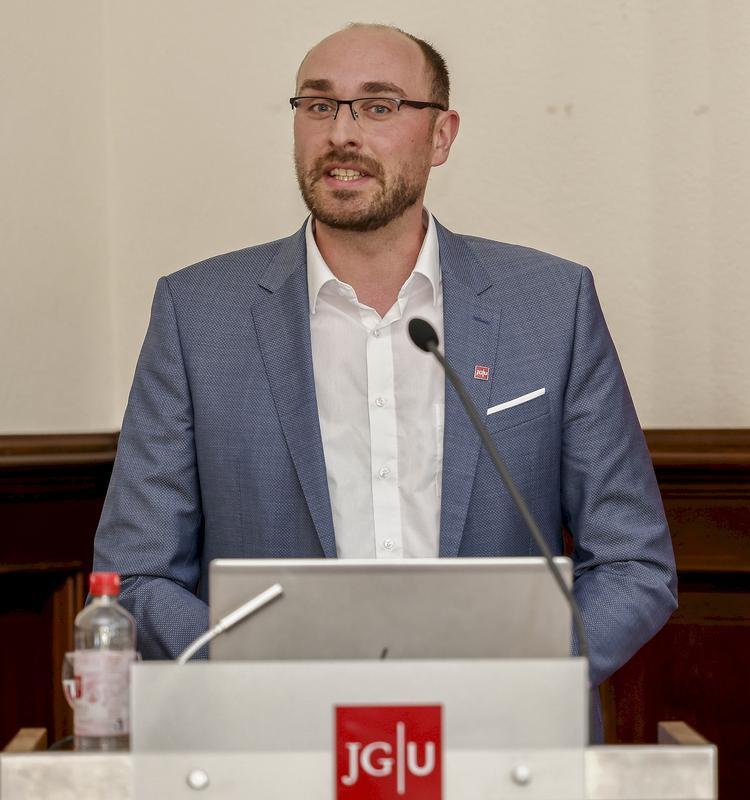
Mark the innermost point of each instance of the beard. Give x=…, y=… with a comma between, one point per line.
x=344, y=209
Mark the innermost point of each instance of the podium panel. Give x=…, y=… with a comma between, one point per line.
x=499, y=723
x=289, y=705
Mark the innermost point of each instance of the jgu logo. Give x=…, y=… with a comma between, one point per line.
x=377, y=759
x=388, y=752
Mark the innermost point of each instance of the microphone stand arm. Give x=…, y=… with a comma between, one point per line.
x=516, y=496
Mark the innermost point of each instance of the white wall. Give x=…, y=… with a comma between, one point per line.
x=56, y=353
x=613, y=133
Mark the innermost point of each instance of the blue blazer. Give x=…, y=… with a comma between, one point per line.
x=220, y=453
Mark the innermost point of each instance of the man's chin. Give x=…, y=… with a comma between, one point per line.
x=359, y=223
x=361, y=226
x=345, y=214
x=357, y=209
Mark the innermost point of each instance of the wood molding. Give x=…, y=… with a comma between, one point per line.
x=51, y=467
x=27, y=740
x=56, y=449
x=678, y=732
x=700, y=449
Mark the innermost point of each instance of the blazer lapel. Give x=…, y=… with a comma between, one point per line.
x=471, y=336
x=283, y=329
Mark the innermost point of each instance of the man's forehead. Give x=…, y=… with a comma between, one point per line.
x=368, y=87
x=364, y=59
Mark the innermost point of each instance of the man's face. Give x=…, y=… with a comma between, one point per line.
x=359, y=175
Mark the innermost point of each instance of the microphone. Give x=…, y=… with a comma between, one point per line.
x=425, y=338
x=230, y=620
x=422, y=334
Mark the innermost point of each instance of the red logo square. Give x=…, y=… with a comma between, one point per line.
x=481, y=373
x=389, y=752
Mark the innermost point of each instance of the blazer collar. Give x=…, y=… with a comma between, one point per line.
x=288, y=259
x=471, y=327
x=283, y=330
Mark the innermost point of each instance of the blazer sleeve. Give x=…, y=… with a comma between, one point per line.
x=151, y=528
x=625, y=579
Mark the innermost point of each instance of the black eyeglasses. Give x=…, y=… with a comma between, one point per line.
x=363, y=109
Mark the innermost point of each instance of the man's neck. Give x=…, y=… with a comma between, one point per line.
x=377, y=263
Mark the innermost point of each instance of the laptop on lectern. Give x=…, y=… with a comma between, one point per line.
x=443, y=608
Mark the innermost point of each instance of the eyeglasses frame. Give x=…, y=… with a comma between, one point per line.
x=400, y=101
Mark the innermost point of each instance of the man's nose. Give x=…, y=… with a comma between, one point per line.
x=344, y=130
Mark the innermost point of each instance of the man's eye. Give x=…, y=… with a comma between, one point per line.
x=379, y=109
x=321, y=108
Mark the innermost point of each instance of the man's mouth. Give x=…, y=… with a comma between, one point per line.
x=342, y=174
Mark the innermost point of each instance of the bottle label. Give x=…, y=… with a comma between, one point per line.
x=103, y=687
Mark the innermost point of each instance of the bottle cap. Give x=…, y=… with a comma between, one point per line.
x=104, y=583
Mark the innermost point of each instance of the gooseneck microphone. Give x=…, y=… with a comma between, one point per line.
x=230, y=620
x=425, y=338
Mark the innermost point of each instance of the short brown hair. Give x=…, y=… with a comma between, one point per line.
x=441, y=85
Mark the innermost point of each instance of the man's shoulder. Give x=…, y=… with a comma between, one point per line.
x=513, y=263
x=238, y=269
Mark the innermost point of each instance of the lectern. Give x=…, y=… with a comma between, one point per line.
x=417, y=680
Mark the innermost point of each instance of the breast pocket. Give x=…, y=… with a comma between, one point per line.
x=517, y=410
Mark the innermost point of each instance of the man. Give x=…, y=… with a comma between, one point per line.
x=279, y=409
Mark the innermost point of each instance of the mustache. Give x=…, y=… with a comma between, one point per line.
x=367, y=164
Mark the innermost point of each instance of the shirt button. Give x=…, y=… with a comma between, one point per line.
x=384, y=472
x=376, y=332
x=380, y=402
x=388, y=544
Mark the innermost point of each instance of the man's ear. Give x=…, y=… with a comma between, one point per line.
x=443, y=135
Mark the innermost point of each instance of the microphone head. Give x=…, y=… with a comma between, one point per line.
x=422, y=334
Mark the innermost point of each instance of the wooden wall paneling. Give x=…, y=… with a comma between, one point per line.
x=26, y=630
x=695, y=669
x=67, y=600
x=51, y=493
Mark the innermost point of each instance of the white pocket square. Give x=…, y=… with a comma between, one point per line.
x=524, y=398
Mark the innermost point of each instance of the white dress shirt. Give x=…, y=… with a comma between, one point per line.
x=381, y=409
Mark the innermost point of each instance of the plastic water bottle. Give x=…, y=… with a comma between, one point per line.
x=104, y=650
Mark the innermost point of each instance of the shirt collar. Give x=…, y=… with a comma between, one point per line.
x=428, y=262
